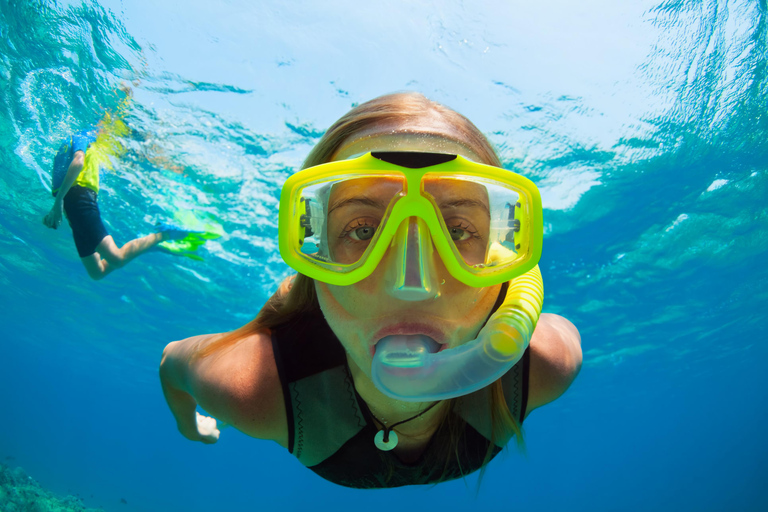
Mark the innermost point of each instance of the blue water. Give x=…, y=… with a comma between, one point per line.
x=644, y=125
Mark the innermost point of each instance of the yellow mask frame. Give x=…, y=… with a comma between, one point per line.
x=412, y=167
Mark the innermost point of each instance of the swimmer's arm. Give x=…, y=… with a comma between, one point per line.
x=176, y=389
x=53, y=219
x=238, y=386
x=555, y=359
x=75, y=167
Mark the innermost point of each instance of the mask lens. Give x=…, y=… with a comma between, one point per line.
x=482, y=217
x=341, y=218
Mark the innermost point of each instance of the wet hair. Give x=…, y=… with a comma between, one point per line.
x=398, y=109
x=297, y=294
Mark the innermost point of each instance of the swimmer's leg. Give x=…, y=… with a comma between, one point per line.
x=109, y=257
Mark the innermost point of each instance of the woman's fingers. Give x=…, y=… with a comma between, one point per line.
x=206, y=427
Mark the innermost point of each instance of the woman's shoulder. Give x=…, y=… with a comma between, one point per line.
x=246, y=369
x=555, y=359
x=237, y=352
x=242, y=384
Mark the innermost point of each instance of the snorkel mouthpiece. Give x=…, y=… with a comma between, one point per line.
x=408, y=368
x=406, y=351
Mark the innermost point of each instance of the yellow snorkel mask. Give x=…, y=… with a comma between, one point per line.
x=337, y=221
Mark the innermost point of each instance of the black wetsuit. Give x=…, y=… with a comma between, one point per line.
x=331, y=430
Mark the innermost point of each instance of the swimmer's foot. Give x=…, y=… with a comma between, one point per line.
x=179, y=241
x=186, y=250
x=173, y=232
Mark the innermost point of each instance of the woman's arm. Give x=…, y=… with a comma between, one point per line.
x=238, y=385
x=174, y=379
x=555, y=359
x=53, y=218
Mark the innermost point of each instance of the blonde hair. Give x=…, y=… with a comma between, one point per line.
x=297, y=294
x=399, y=108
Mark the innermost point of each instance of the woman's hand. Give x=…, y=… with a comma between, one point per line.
x=206, y=428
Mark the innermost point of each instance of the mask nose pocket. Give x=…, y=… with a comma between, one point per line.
x=411, y=267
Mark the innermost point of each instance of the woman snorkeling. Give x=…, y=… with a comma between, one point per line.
x=410, y=346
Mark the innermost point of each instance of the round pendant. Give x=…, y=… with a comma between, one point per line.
x=378, y=440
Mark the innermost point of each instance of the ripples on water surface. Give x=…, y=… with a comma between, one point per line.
x=645, y=127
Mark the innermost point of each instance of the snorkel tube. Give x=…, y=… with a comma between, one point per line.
x=405, y=367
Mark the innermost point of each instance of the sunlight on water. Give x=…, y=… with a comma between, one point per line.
x=645, y=127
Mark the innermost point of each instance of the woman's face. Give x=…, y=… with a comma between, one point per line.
x=363, y=313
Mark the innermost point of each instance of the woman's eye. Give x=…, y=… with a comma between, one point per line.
x=361, y=229
x=363, y=233
x=458, y=234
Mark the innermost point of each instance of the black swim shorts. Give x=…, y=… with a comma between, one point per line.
x=85, y=219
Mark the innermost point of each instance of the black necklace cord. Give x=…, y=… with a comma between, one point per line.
x=387, y=429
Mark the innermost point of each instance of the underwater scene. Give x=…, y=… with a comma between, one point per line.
x=643, y=124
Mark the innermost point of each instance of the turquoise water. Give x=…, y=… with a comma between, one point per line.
x=645, y=126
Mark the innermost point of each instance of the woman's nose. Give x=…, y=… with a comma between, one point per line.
x=411, y=271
